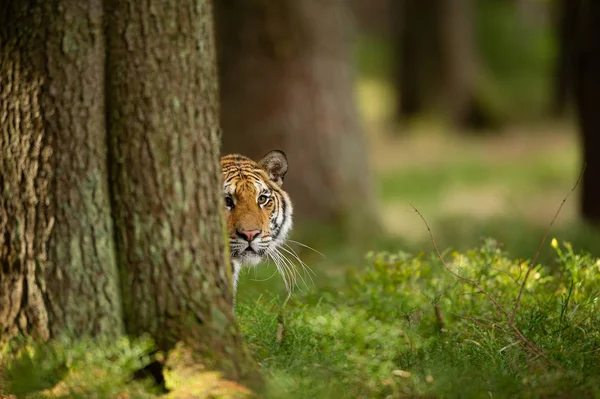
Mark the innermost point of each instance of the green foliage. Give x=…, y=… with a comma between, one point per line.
x=75, y=369
x=406, y=326
x=86, y=368
x=517, y=53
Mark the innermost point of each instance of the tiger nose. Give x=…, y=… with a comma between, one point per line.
x=249, y=235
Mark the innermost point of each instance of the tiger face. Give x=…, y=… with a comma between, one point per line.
x=258, y=211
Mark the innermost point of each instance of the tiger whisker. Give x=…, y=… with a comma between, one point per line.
x=265, y=279
x=289, y=266
x=292, y=267
x=276, y=262
x=304, y=265
x=281, y=267
x=305, y=246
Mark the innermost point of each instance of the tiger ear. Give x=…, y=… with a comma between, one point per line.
x=275, y=164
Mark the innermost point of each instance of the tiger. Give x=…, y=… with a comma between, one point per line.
x=258, y=212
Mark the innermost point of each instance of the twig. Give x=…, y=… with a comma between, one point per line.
x=539, y=250
x=439, y=317
x=410, y=345
x=280, y=327
x=479, y=322
x=532, y=348
x=458, y=276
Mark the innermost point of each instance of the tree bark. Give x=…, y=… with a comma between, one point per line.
x=287, y=83
x=586, y=83
x=164, y=137
x=57, y=260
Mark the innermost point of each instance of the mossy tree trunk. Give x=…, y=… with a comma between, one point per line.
x=586, y=89
x=287, y=83
x=164, y=138
x=57, y=261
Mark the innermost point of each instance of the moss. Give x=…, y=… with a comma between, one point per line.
x=186, y=377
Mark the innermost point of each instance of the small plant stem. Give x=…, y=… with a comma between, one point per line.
x=539, y=249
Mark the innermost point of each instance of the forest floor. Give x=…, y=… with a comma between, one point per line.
x=369, y=326
x=522, y=173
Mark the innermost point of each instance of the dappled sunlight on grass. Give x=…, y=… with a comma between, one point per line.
x=406, y=327
x=512, y=176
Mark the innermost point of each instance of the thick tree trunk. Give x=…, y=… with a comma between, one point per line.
x=164, y=134
x=57, y=260
x=287, y=83
x=586, y=83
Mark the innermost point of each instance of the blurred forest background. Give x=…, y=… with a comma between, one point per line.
x=465, y=109
x=479, y=113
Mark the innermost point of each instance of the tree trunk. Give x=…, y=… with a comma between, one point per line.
x=463, y=104
x=586, y=82
x=436, y=66
x=566, y=21
x=287, y=83
x=57, y=260
x=417, y=55
x=459, y=55
x=164, y=137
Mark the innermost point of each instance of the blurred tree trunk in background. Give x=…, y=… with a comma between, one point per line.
x=287, y=82
x=57, y=260
x=566, y=28
x=460, y=66
x=371, y=16
x=436, y=61
x=164, y=138
x=417, y=62
x=586, y=89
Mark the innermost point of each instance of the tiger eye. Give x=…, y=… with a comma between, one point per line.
x=262, y=199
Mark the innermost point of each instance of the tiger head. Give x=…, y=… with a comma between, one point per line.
x=258, y=211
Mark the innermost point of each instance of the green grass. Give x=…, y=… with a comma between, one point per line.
x=82, y=368
x=379, y=336
x=376, y=333
x=427, y=183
